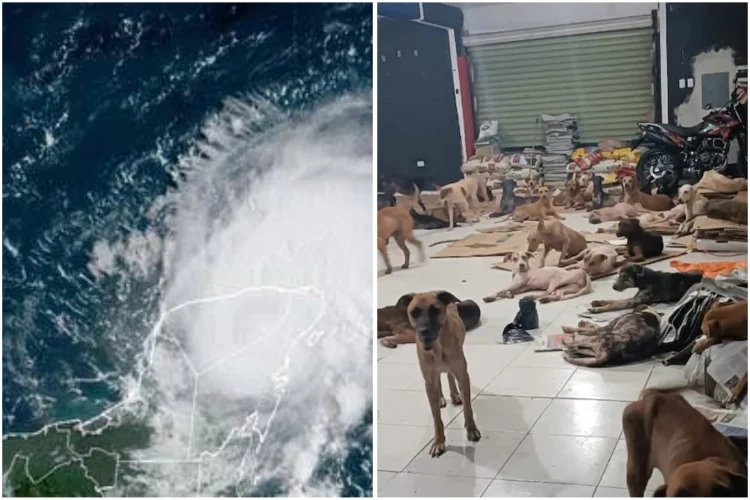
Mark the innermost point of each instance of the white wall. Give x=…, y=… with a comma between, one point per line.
x=502, y=17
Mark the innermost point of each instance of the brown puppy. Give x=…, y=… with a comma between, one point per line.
x=634, y=196
x=723, y=321
x=541, y=209
x=440, y=340
x=555, y=235
x=397, y=222
x=663, y=431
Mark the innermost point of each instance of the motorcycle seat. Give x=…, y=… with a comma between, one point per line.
x=683, y=131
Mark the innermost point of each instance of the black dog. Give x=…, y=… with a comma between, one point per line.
x=641, y=245
x=509, y=200
x=654, y=287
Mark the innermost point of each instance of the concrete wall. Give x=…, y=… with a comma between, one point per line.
x=502, y=17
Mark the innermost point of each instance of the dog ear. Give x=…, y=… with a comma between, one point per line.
x=530, y=255
x=661, y=491
x=446, y=297
x=405, y=300
x=540, y=225
x=507, y=257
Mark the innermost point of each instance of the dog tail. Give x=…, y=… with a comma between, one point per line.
x=665, y=389
x=445, y=192
x=416, y=199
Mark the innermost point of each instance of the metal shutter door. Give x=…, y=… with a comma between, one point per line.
x=603, y=79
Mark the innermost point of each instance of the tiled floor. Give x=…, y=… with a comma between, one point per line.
x=548, y=427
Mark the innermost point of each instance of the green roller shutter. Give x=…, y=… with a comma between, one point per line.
x=603, y=79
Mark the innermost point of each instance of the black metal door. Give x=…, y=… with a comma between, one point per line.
x=417, y=116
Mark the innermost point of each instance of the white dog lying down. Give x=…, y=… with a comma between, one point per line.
x=559, y=284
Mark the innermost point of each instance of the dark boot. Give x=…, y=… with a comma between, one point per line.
x=527, y=318
x=514, y=334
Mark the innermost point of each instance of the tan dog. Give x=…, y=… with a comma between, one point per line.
x=440, y=340
x=541, y=209
x=397, y=222
x=573, y=194
x=695, y=205
x=586, y=184
x=663, y=431
x=558, y=283
x=616, y=213
x=639, y=200
x=555, y=235
x=723, y=321
x=464, y=195
x=596, y=260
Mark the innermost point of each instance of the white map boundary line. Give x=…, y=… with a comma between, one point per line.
x=80, y=425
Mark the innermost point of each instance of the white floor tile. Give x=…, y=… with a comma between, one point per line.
x=559, y=459
x=529, y=382
x=384, y=478
x=500, y=488
x=581, y=417
x=410, y=408
x=604, y=492
x=400, y=377
x=407, y=484
x=405, y=353
x=464, y=458
x=614, y=476
x=530, y=359
x=605, y=384
x=505, y=413
x=399, y=444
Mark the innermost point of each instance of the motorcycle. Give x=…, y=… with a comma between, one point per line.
x=685, y=153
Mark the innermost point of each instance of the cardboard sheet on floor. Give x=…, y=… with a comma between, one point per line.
x=485, y=245
x=719, y=229
x=553, y=257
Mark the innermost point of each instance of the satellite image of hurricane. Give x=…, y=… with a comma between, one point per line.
x=187, y=249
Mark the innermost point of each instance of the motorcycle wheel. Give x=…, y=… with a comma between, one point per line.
x=659, y=168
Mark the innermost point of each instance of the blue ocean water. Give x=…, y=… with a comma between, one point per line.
x=102, y=104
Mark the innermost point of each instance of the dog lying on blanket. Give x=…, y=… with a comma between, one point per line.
x=630, y=338
x=654, y=287
x=641, y=245
x=596, y=260
x=663, y=431
x=558, y=283
x=394, y=327
x=555, y=235
x=615, y=213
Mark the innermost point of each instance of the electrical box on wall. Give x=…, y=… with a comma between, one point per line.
x=420, y=164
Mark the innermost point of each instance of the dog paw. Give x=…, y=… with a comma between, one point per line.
x=388, y=271
x=405, y=266
x=456, y=400
x=489, y=299
x=389, y=343
x=443, y=404
x=569, y=330
x=544, y=300
x=437, y=449
x=595, y=310
x=473, y=434
x=597, y=303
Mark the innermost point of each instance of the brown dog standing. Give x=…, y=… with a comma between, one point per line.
x=663, y=431
x=397, y=222
x=440, y=340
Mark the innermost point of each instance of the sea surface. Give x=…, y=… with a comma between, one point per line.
x=173, y=289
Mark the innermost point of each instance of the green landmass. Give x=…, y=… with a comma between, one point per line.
x=74, y=453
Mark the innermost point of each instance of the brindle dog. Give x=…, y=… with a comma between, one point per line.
x=653, y=287
x=630, y=338
x=440, y=340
